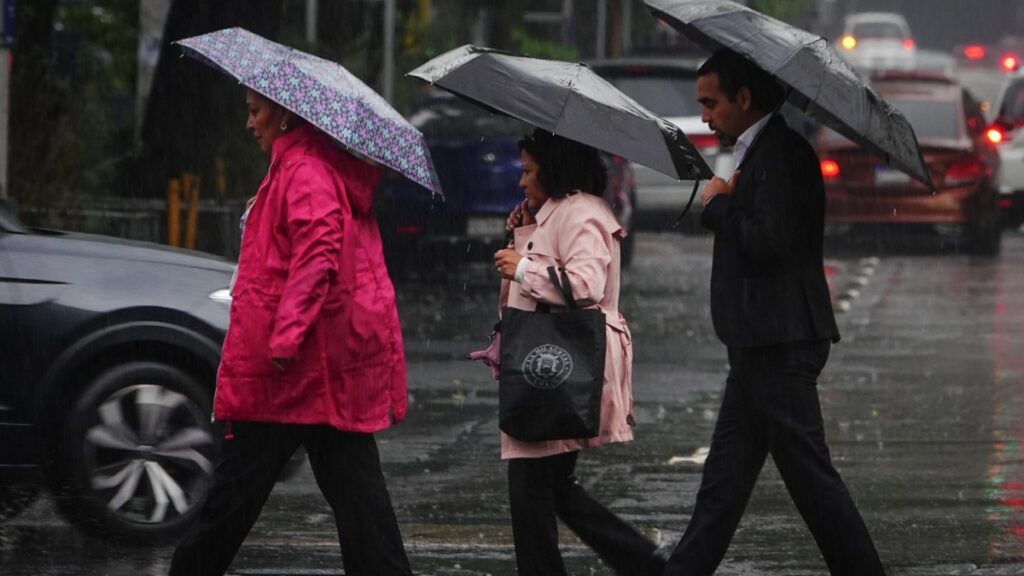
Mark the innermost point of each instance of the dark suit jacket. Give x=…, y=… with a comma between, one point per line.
x=768, y=279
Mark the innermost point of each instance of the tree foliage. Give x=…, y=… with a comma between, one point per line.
x=71, y=89
x=785, y=10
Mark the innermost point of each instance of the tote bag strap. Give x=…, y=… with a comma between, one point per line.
x=563, y=286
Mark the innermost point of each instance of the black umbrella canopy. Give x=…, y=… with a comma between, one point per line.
x=819, y=80
x=568, y=99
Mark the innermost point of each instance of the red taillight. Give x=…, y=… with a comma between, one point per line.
x=974, y=52
x=829, y=169
x=409, y=230
x=963, y=171
x=908, y=44
x=1009, y=62
x=704, y=140
x=995, y=135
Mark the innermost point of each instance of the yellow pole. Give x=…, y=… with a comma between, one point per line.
x=192, y=223
x=222, y=178
x=173, y=211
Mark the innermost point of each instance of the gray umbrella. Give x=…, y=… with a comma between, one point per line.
x=820, y=81
x=570, y=100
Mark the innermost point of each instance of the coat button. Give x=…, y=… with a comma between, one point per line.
x=529, y=245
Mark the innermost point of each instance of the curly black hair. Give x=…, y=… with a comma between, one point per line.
x=565, y=165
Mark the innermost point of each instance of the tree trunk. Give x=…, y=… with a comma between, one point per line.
x=195, y=113
x=36, y=101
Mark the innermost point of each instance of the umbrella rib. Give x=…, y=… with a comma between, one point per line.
x=821, y=71
x=568, y=94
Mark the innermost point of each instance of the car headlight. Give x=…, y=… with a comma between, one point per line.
x=223, y=296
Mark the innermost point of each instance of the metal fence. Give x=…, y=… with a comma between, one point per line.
x=215, y=230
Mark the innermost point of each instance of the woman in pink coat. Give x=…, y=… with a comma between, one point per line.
x=313, y=355
x=564, y=222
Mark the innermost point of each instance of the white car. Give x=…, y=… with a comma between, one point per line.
x=1010, y=180
x=874, y=41
x=667, y=87
x=1006, y=132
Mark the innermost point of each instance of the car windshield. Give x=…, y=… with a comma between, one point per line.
x=877, y=30
x=665, y=94
x=930, y=119
x=453, y=118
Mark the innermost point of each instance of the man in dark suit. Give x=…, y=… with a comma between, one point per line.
x=770, y=306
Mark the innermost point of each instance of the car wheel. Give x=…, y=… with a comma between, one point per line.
x=626, y=247
x=14, y=499
x=628, y=244
x=986, y=235
x=135, y=459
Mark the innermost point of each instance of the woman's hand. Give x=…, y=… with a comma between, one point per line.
x=520, y=216
x=506, y=261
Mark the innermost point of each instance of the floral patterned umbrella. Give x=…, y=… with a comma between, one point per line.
x=323, y=93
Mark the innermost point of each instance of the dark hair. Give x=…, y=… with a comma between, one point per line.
x=565, y=165
x=735, y=71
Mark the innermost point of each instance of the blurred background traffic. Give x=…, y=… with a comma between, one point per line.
x=107, y=130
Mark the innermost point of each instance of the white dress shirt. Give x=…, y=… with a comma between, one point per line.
x=746, y=139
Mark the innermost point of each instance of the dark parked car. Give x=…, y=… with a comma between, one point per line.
x=108, y=355
x=476, y=155
x=950, y=128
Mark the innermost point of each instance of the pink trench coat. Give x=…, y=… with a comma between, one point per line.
x=312, y=286
x=580, y=233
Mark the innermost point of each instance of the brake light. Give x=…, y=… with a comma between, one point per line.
x=411, y=229
x=1009, y=62
x=962, y=172
x=974, y=52
x=995, y=135
x=829, y=169
x=848, y=42
x=704, y=140
x=908, y=44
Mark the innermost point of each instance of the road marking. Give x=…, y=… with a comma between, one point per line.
x=699, y=456
x=861, y=279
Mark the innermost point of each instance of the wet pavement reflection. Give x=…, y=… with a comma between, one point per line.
x=923, y=402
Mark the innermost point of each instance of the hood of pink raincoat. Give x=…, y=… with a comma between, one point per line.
x=361, y=178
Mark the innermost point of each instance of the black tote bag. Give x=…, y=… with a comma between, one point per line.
x=552, y=370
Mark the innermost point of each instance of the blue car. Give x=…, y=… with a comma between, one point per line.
x=476, y=155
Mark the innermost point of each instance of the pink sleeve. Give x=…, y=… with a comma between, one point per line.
x=584, y=249
x=314, y=223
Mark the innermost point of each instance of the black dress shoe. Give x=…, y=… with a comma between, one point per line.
x=659, y=559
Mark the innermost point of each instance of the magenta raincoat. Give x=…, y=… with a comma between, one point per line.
x=312, y=286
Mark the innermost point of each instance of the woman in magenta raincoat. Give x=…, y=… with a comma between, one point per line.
x=313, y=355
x=564, y=222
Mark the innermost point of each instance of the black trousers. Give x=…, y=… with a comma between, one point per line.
x=347, y=470
x=771, y=406
x=541, y=489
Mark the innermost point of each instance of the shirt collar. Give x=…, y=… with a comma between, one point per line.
x=289, y=139
x=546, y=209
x=746, y=139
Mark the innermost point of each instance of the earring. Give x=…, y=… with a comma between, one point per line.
x=284, y=126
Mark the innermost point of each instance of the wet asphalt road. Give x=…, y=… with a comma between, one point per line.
x=923, y=402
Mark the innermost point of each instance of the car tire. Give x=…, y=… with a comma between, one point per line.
x=626, y=248
x=986, y=235
x=136, y=452
x=15, y=499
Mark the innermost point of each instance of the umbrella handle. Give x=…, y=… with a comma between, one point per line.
x=693, y=194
